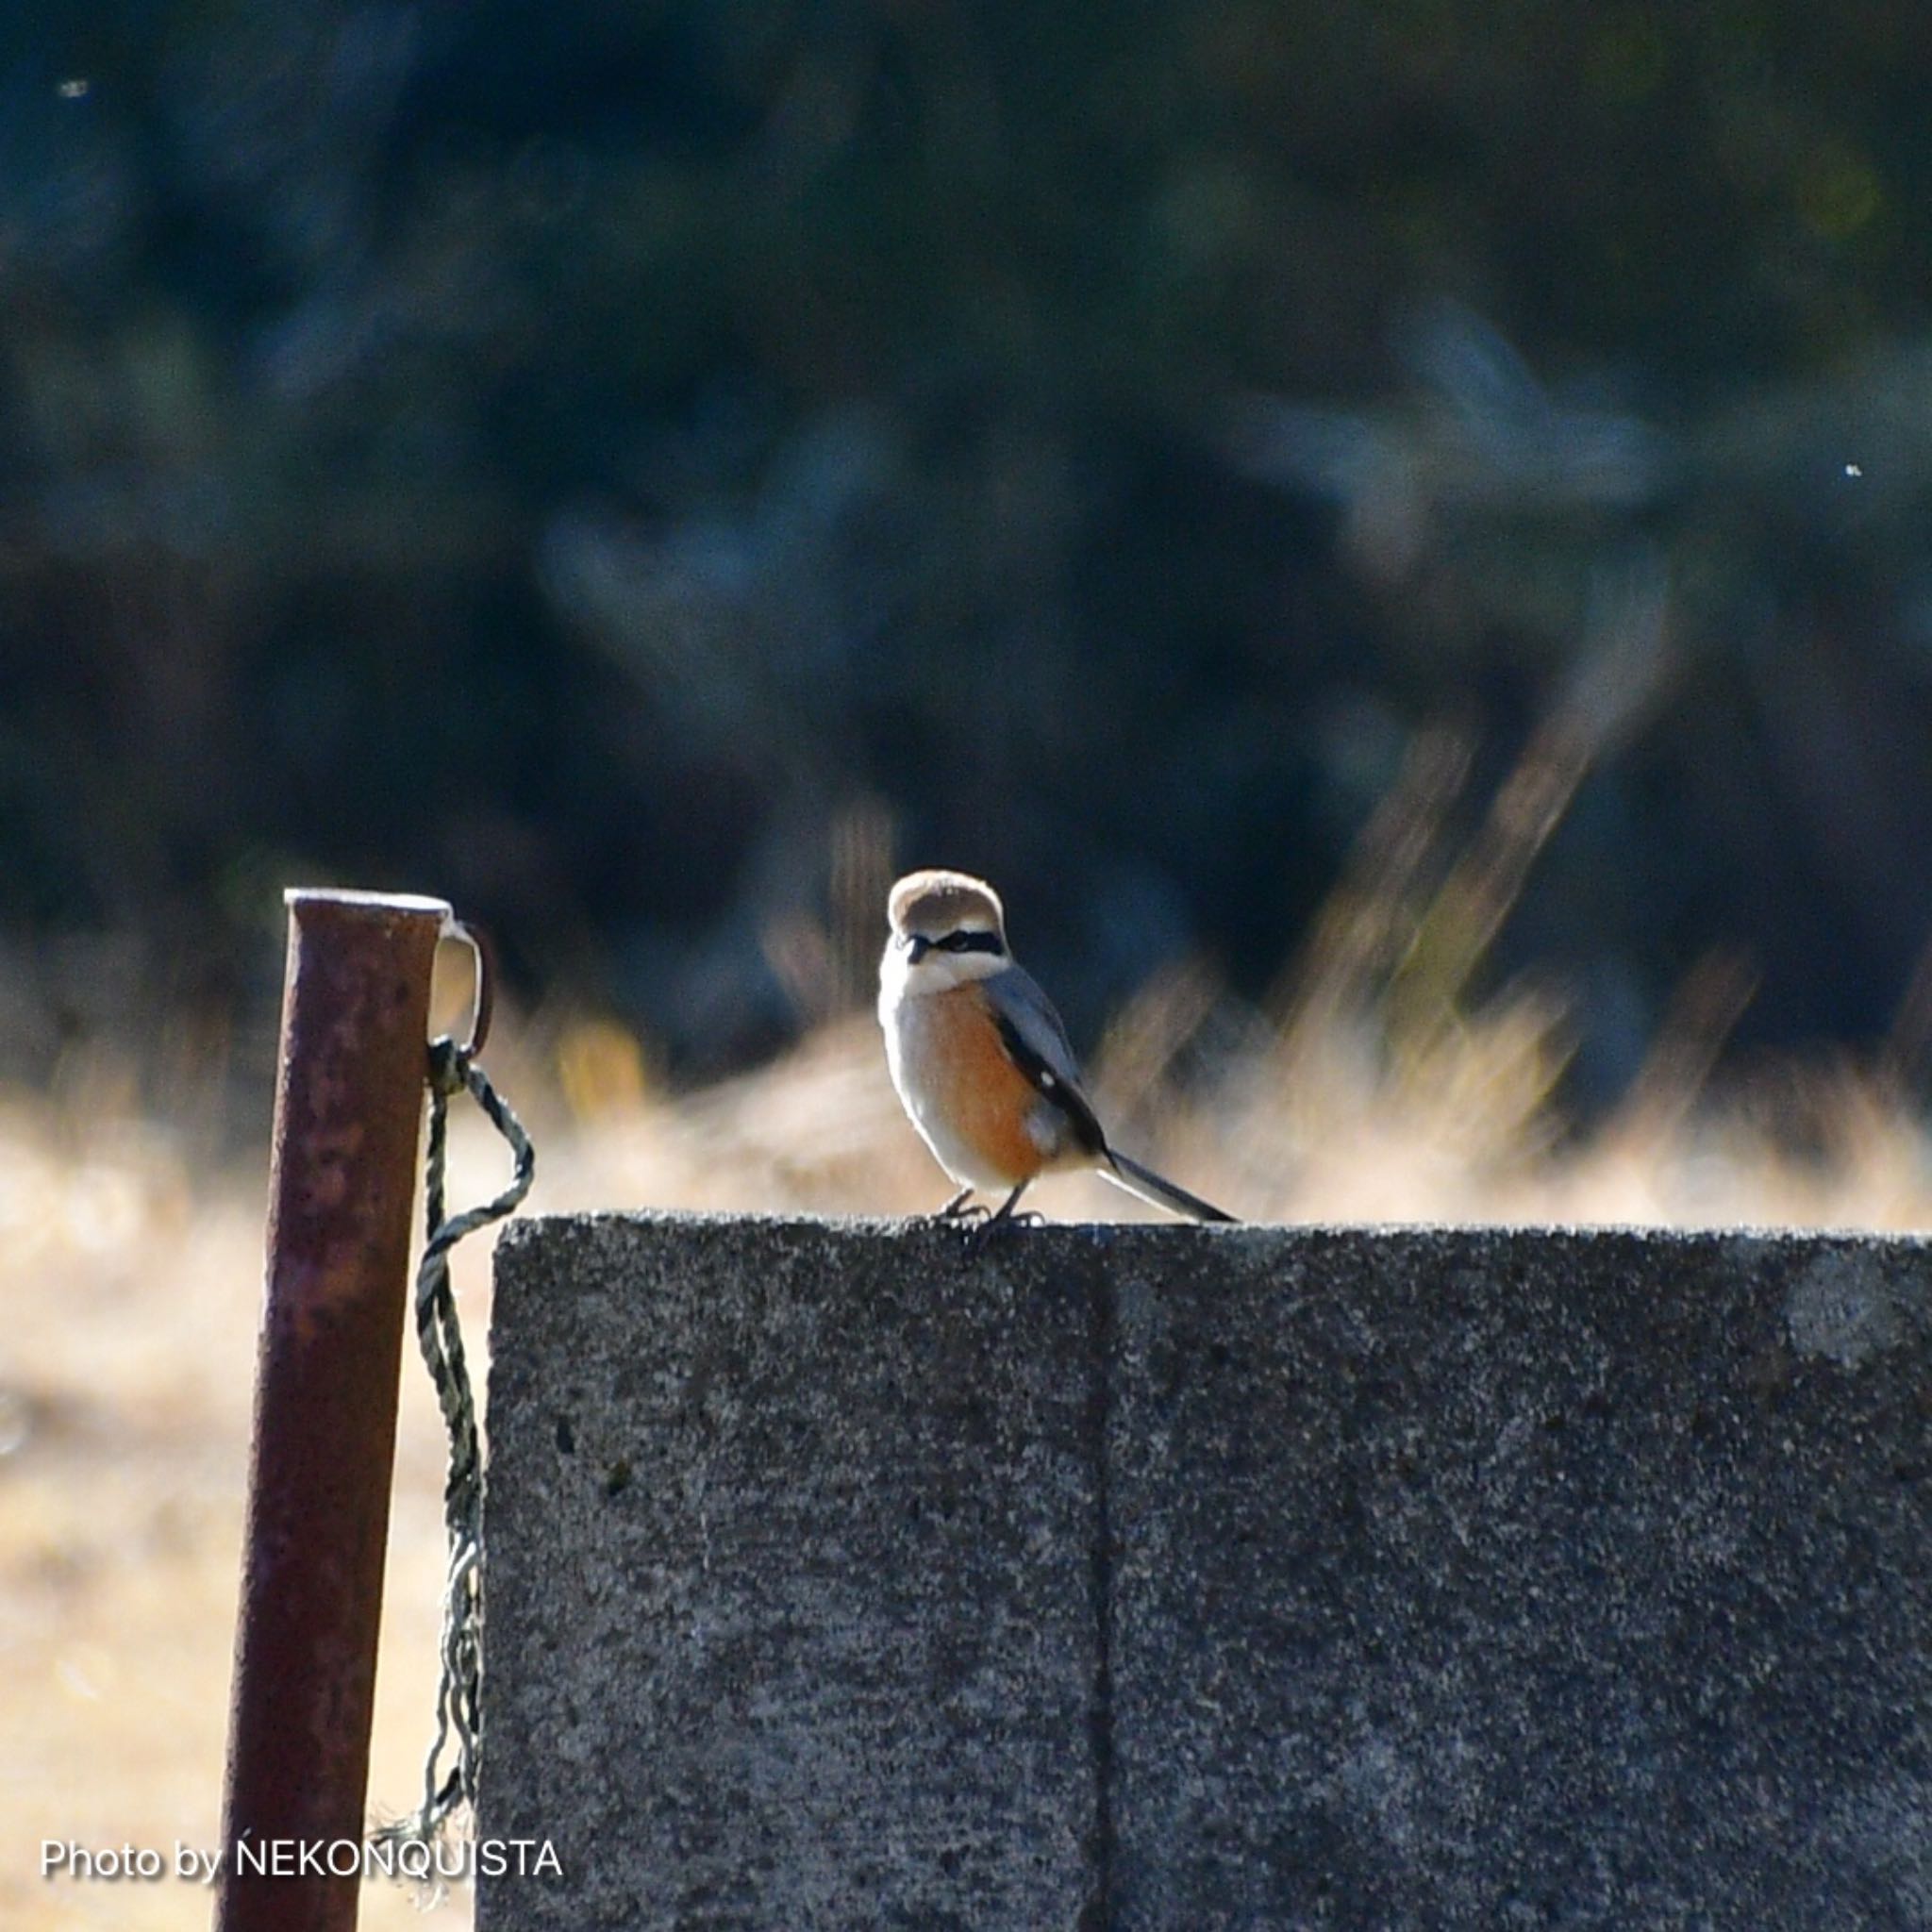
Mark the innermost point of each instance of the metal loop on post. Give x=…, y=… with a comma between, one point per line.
x=483, y=1001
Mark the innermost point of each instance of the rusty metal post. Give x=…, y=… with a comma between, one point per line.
x=341, y=1187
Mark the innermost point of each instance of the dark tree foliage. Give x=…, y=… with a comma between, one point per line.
x=563, y=456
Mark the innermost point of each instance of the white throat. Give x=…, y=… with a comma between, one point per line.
x=902, y=977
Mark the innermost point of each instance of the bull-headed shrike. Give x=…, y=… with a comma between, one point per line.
x=981, y=1060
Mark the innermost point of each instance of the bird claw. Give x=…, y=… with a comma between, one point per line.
x=980, y=1222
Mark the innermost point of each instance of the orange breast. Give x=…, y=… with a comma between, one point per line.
x=986, y=1098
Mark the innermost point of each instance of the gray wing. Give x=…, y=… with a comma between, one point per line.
x=1037, y=1043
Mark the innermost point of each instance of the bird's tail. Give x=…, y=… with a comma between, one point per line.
x=1149, y=1186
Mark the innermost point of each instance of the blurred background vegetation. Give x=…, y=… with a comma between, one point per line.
x=1397, y=535
x=609, y=464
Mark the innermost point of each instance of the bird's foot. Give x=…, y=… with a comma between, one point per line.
x=1010, y=1215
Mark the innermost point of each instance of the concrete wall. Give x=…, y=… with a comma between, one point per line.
x=1160, y=1577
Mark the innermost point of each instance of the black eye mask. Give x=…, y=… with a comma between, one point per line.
x=919, y=946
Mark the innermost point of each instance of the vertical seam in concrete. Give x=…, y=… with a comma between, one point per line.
x=1097, y=1916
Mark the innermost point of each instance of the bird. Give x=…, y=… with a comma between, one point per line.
x=981, y=1061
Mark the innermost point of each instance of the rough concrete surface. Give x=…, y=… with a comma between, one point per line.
x=790, y=1620
x=1162, y=1577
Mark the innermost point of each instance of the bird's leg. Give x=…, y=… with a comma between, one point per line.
x=959, y=1209
x=1011, y=1202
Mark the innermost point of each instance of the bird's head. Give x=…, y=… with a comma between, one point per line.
x=947, y=927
